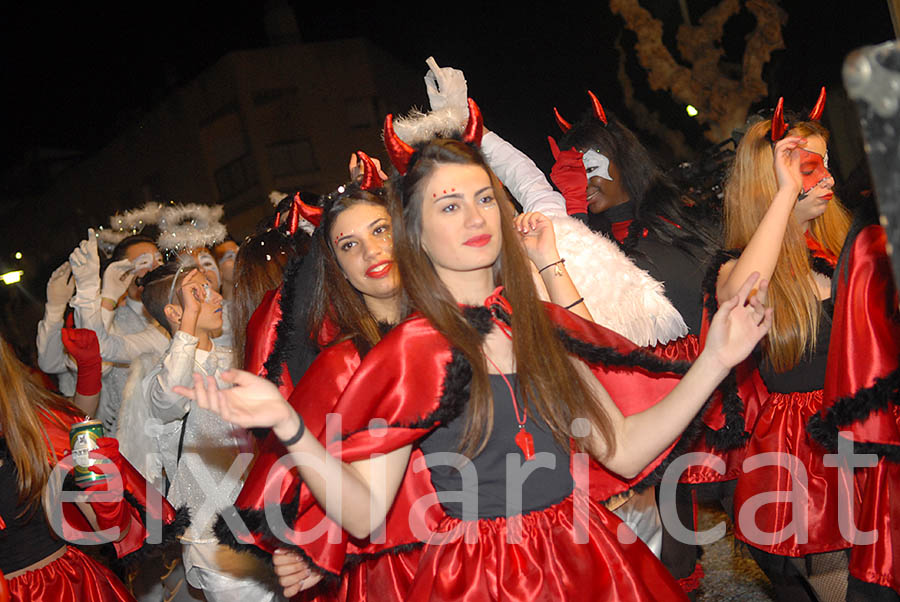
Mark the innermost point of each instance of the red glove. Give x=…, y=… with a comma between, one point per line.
x=82, y=344
x=114, y=509
x=569, y=177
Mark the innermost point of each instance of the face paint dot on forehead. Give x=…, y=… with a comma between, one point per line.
x=596, y=164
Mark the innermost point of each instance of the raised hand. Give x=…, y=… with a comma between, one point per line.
x=356, y=168
x=251, y=402
x=85, y=264
x=116, y=279
x=60, y=289
x=538, y=238
x=294, y=575
x=446, y=87
x=739, y=324
x=569, y=177
x=787, y=164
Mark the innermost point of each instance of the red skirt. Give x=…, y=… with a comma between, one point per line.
x=879, y=510
x=781, y=429
x=73, y=577
x=382, y=578
x=541, y=559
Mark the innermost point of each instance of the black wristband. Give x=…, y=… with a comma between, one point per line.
x=550, y=265
x=571, y=305
x=297, y=436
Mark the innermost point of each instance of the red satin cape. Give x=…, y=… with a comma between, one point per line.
x=866, y=347
x=401, y=383
x=261, y=337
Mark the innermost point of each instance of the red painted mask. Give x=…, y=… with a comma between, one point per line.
x=813, y=168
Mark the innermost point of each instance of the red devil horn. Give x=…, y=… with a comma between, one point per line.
x=475, y=126
x=779, y=127
x=564, y=125
x=816, y=113
x=308, y=212
x=599, y=113
x=371, y=180
x=398, y=151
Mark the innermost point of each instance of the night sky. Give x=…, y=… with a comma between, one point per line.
x=76, y=72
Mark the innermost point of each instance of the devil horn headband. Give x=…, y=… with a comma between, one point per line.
x=564, y=125
x=400, y=152
x=599, y=113
x=475, y=125
x=371, y=180
x=816, y=113
x=779, y=127
x=300, y=209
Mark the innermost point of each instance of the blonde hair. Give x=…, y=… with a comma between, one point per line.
x=23, y=402
x=749, y=191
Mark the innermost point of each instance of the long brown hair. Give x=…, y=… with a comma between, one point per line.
x=333, y=296
x=258, y=269
x=549, y=382
x=22, y=401
x=749, y=191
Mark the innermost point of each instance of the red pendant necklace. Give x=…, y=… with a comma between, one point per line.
x=523, y=438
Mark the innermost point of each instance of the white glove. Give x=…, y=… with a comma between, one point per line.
x=446, y=87
x=60, y=289
x=86, y=269
x=116, y=279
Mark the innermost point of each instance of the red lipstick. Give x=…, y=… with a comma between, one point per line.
x=478, y=241
x=380, y=269
x=827, y=197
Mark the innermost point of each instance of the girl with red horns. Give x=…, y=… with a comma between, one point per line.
x=782, y=221
x=354, y=289
x=447, y=416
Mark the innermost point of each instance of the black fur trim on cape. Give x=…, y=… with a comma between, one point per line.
x=821, y=266
x=880, y=397
x=285, y=334
x=710, y=303
x=170, y=532
x=256, y=523
x=732, y=435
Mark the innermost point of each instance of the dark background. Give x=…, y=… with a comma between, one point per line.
x=76, y=73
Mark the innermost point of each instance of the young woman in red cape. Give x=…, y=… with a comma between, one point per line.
x=475, y=380
x=355, y=300
x=862, y=397
x=782, y=221
x=37, y=559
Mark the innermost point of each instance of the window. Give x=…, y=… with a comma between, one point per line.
x=292, y=157
x=236, y=177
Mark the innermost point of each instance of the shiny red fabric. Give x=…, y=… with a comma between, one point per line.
x=879, y=489
x=865, y=346
x=781, y=428
x=686, y=349
x=547, y=563
x=71, y=578
x=620, y=229
x=261, y=336
x=56, y=427
x=314, y=398
x=865, y=335
x=400, y=383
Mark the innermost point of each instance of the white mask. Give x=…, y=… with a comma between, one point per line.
x=596, y=164
x=207, y=262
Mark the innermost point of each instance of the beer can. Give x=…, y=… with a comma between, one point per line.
x=83, y=438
